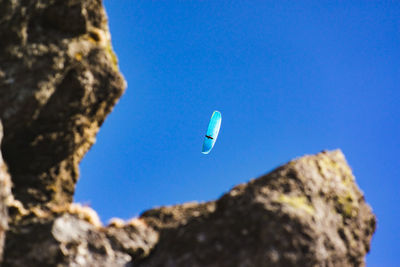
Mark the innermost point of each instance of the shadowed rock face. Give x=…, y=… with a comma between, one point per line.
x=5, y=198
x=58, y=81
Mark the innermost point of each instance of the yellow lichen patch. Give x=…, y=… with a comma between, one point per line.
x=336, y=170
x=327, y=167
x=78, y=56
x=298, y=202
x=347, y=205
x=102, y=38
x=112, y=55
x=348, y=178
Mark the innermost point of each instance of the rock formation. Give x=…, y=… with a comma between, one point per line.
x=58, y=81
x=308, y=212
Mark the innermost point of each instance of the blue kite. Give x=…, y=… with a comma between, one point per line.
x=212, y=132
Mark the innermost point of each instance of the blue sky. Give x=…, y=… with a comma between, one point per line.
x=289, y=77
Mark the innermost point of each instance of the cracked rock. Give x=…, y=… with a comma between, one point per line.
x=58, y=81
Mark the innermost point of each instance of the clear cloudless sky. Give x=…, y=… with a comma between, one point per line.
x=289, y=77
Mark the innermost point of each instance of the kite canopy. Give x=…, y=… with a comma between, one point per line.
x=212, y=132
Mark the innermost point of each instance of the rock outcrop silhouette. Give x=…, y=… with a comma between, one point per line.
x=59, y=79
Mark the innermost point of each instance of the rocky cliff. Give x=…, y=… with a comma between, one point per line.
x=59, y=79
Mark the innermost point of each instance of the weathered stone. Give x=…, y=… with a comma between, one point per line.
x=308, y=212
x=72, y=235
x=61, y=236
x=5, y=198
x=58, y=81
x=134, y=237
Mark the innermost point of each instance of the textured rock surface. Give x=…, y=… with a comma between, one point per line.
x=58, y=81
x=308, y=212
x=5, y=197
x=73, y=236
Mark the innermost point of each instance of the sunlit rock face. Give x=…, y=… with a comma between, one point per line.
x=308, y=212
x=58, y=81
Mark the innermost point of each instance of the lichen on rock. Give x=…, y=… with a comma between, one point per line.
x=289, y=217
x=59, y=79
x=58, y=82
